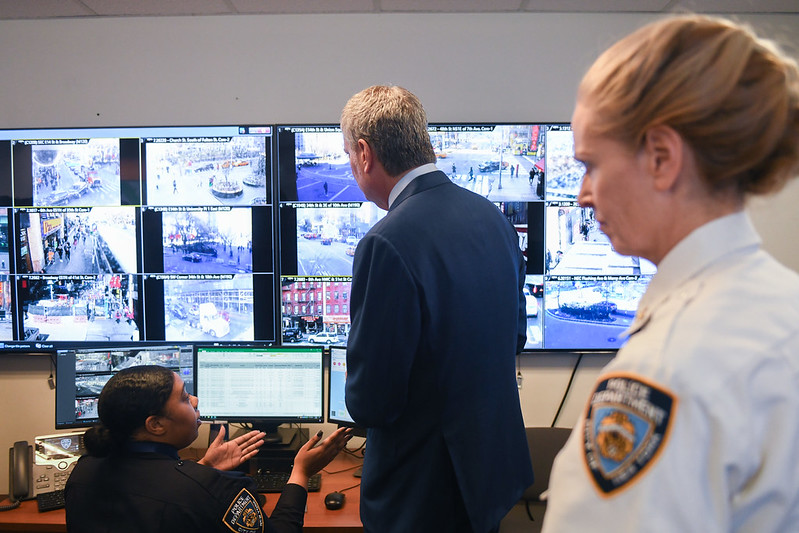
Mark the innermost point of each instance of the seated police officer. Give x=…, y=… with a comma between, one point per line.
x=132, y=479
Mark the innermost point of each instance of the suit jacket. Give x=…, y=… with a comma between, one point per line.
x=438, y=315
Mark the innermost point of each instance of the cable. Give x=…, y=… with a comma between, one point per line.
x=529, y=512
x=12, y=505
x=568, y=388
x=342, y=470
x=354, y=451
x=349, y=488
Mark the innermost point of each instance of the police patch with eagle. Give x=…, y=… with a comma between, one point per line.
x=626, y=425
x=244, y=514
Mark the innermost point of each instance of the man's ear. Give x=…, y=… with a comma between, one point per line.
x=365, y=155
x=154, y=426
x=664, y=149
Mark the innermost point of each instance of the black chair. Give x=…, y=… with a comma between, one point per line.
x=544, y=443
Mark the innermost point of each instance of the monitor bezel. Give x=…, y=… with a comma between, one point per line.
x=358, y=430
x=142, y=330
x=267, y=423
x=59, y=381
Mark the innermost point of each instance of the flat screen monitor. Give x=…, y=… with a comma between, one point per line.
x=580, y=294
x=264, y=386
x=127, y=235
x=81, y=374
x=336, y=404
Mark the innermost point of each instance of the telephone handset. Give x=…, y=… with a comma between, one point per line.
x=20, y=474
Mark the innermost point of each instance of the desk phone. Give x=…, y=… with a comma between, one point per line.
x=41, y=471
x=54, y=457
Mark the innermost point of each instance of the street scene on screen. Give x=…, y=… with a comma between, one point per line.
x=202, y=310
x=315, y=310
x=231, y=171
x=323, y=169
x=83, y=173
x=207, y=241
x=86, y=240
x=327, y=237
x=503, y=163
x=80, y=308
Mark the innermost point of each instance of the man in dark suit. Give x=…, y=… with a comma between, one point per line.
x=438, y=315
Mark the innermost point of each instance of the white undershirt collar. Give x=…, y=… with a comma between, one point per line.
x=407, y=179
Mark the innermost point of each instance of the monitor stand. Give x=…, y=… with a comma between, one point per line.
x=276, y=435
x=278, y=456
x=356, y=431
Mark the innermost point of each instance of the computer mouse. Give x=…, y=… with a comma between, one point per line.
x=334, y=500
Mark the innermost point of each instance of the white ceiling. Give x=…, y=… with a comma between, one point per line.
x=40, y=9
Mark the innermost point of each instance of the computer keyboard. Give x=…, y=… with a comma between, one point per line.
x=275, y=481
x=49, y=501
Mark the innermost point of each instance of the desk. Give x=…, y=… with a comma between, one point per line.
x=336, y=476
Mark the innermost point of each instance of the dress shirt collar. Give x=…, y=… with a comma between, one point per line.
x=407, y=179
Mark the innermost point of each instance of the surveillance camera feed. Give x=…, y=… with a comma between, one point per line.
x=580, y=294
x=206, y=170
x=81, y=374
x=132, y=235
x=79, y=172
x=322, y=216
x=247, y=234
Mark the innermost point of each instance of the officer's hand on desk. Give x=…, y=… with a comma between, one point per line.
x=228, y=455
x=311, y=458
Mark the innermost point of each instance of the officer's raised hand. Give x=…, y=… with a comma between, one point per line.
x=228, y=455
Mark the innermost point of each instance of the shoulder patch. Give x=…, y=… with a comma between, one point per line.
x=244, y=514
x=626, y=426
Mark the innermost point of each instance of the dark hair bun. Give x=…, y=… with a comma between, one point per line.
x=98, y=441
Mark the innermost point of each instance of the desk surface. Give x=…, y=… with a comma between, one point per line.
x=337, y=476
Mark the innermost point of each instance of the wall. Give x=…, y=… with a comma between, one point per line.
x=289, y=69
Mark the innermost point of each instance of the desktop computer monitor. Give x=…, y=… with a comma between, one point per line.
x=264, y=386
x=336, y=406
x=81, y=374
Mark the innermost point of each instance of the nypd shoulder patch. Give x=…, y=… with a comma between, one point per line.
x=626, y=425
x=244, y=514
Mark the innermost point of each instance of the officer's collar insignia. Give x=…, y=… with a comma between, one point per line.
x=244, y=514
x=626, y=426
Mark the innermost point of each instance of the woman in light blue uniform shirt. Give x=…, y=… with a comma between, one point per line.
x=694, y=426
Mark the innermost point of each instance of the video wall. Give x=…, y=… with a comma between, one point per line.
x=137, y=234
x=246, y=234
